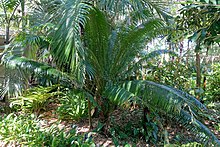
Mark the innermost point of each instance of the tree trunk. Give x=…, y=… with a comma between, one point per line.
x=23, y=14
x=198, y=72
x=89, y=113
x=187, y=54
x=206, y=64
x=7, y=34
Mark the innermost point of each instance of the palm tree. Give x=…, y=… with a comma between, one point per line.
x=9, y=11
x=100, y=58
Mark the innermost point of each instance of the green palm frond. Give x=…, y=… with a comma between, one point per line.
x=199, y=129
x=29, y=44
x=189, y=97
x=66, y=45
x=10, y=5
x=42, y=18
x=174, y=103
x=110, y=50
x=130, y=43
x=45, y=11
x=118, y=95
x=41, y=71
x=127, y=7
x=172, y=99
x=96, y=39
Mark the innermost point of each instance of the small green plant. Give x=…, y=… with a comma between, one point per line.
x=173, y=73
x=217, y=127
x=26, y=130
x=34, y=99
x=124, y=131
x=73, y=105
x=213, y=84
x=191, y=144
x=151, y=128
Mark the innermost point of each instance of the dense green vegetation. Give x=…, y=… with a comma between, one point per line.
x=123, y=65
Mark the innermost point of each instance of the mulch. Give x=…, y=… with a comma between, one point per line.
x=176, y=133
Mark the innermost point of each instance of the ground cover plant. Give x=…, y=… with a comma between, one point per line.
x=25, y=130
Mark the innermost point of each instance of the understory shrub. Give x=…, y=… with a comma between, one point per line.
x=213, y=84
x=191, y=144
x=130, y=127
x=34, y=99
x=73, y=105
x=174, y=73
x=28, y=131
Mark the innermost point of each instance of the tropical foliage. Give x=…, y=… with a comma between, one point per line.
x=214, y=79
x=26, y=131
x=92, y=49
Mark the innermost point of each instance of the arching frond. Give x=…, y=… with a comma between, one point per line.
x=42, y=71
x=96, y=39
x=66, y=45
x=169, y=101
x=118, y=95
x=45, y=11
x=10, y=5
x=157, y=94
x=156, y=53
x=200, y=130
x=127, y=7
x=111, y=50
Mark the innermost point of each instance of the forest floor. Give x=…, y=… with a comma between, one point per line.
x=119, y=119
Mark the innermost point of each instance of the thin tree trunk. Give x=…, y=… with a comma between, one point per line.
x=23, y=14
x=206, y=64
x=7, y=34
x=187, y=54
x=181, y=50
x=90, y=117
x=198, y=72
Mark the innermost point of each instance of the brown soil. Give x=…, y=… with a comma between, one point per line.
x=121, y=118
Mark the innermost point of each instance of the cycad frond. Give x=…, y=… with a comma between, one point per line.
x=161, y=95
x=172, y=102
x=200, y=130
x=96, y=38
x=129, y=43
x=118, y=95
x=110, y=50
x=29, y=44
x=44, y=11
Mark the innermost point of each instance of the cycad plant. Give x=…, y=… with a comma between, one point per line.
x=99, y=58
